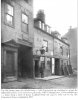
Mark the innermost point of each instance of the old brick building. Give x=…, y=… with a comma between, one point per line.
x=56, y=58
x=16, y=39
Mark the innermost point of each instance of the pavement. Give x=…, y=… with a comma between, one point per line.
x=52, y=82
x=50, y=77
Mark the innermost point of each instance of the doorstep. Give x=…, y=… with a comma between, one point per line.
x=10, y=79
x=50, y=77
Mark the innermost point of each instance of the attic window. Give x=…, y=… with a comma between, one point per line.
x=39, y=24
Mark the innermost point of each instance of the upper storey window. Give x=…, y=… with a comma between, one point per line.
x=61, y=50
x=26, y=1
x=45, y=45
x=9, y=15
x=24, y=23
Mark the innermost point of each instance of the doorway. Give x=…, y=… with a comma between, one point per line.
x=57, y=66
x=25, y=61
x=36, y=68
x=10, y=63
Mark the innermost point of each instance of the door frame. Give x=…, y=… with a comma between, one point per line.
x=15, y=51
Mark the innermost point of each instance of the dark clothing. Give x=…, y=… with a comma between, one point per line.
x=41, y=71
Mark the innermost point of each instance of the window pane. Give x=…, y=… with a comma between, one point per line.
x=45, y=43
x=9, y=10
x=39, y=24
x=24, y=18
x=43, y=26
x=9, y=19
x=26, y=1
x=24, y=27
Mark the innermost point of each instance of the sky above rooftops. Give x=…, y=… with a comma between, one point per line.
x=60, y=14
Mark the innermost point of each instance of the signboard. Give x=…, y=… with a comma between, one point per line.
x=41, y=58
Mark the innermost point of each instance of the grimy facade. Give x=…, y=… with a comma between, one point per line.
x=16, y=39
x=56, y=58
x=28, y=44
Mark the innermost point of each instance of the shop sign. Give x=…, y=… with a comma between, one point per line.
x=42, y=58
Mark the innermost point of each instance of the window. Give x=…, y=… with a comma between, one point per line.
x=48, y=63
x=45, y=45
x=43, y=26
x=48, y=29
x=26, y=1
x=9, y=15
x=39, y=24
x=67, y=53
x=61, y=50
x=24, y=23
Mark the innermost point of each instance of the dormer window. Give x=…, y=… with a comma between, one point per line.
x=43, y=26
x=39, y=24
x=48, y=29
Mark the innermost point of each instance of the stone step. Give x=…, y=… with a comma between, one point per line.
x=8, y=79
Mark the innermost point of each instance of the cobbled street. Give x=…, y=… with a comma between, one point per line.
x=60, y=83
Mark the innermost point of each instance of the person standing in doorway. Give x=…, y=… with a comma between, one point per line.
x=42, y=70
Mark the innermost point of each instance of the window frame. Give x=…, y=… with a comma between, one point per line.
x=6, y=13
x=61, y=50
x=40, y=24
x=47, y=45
x=27, y=1
x=27, y=24
x=67, y=52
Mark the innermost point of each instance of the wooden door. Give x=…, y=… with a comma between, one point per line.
x=10, y=63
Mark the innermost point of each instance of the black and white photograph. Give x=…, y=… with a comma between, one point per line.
x=38, y=44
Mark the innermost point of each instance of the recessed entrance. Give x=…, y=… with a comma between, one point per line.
x=25, y=61
x=36, y=68
x=57, y=66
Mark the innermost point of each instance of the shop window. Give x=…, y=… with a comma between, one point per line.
x=48, y=63
x=24, y=23
x=9, y=14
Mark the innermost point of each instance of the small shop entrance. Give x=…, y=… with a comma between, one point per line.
x=57, y=66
